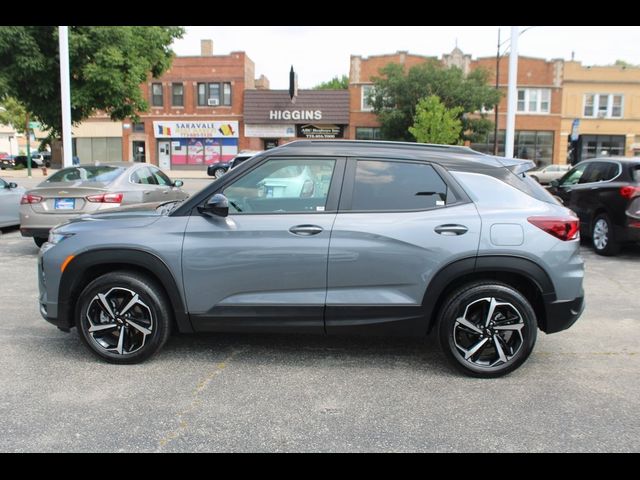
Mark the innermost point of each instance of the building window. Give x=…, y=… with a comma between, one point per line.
x=138, y=127
x=528, y=144
x=534, y=100
x=366, y=91
x=156, y=95
x=603, y=105
x=214, y=94
x=367, y=133
x=177, y=95
x=226, y=93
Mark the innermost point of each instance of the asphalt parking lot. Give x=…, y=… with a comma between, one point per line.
x=579, y=391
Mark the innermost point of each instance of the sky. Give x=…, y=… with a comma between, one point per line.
x=320, y=53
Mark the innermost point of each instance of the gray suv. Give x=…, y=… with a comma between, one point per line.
x=329, y=237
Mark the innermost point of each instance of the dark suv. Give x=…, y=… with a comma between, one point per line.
x=329, y=237
x=605, y=193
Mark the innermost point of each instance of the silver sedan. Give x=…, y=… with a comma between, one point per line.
x=90, y=188
x=10, y=195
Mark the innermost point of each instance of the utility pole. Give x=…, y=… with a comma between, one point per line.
x=512, y=94
x=28, y=147
x=495, y=126
x=65, y=96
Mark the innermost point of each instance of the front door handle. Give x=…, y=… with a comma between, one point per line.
x=451, y=230
x=306, y=230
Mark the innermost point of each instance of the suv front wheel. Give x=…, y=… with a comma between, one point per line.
x=123, y=317
x=487, y=329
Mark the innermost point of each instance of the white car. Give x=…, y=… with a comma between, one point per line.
x=549, y=173
x=10, y=195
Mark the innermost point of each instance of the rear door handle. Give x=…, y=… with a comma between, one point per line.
x=306, y=230
x=451, y=230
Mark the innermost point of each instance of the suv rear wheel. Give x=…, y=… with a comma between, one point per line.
x=604, y=242
x=123, y=317
x=487, y=329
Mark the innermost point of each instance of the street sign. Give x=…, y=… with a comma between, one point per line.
x=34, y=125
x=574, y=130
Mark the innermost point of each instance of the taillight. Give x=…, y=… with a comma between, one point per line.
x=106, y=198
x=629, y=191
x=564, y=228
x=28, y=198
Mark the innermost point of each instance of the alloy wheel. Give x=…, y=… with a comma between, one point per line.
x=489, y=333
x=601, y=234
x=119, y=322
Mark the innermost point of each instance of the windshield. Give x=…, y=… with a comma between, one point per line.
x=101, y=173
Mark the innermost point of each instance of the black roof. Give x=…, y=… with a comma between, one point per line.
x=451, y=156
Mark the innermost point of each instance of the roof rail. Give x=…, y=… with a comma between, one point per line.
x=383, y=143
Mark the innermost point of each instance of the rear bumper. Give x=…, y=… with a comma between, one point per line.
x=561, y=315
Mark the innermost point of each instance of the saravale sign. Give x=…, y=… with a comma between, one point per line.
x=319, y=131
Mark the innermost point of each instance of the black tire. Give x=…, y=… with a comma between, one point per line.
x=475, y=301
x=219, y=172
x=39, y=241
x=603, y=237
x=151, y=313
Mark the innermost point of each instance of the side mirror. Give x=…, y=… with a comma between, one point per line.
x=217, y=205
x=12, y=185
x=554, y=183
x=178, y=183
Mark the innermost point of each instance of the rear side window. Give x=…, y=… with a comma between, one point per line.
x=386, y=185
x=635, y=173
x=599, y=172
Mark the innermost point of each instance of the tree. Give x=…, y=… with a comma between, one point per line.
x=395, y=96
x=13, y=113
x=107, y=65
x=336, y=83
x=435, y=123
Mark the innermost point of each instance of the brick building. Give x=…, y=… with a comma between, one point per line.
x=538, y=111
x=604, y=102
x=538, y=119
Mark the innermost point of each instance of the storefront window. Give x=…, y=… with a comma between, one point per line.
x=528, y=144
x=367, y=133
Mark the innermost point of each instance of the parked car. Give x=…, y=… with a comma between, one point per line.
x=91, y=188
x=10, y=195
x=407, y=239
x=220, y=168
x=549, y=173
x=7, y=162
x=605, y=194
x=39, y=159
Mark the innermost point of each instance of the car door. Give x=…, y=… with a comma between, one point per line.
x=264, y=266
x=165, y=188
x=398, y=224
x=567, y=183
x=593, y=192
x=9, y=204
x=145, y=186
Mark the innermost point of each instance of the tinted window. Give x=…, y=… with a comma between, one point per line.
x=599, y=172
x=381, y=185
x=635, y=173
x=104, y=174
x=3, y=184
x=282, y=186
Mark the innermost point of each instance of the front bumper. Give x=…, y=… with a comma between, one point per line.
x=560, y=315
x=52, y=312
x=34, y=232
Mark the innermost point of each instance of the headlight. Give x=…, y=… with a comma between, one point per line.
x=55, y=237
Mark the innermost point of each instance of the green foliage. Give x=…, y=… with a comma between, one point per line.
x=107, y=65
x=624, y=64
x=435, y=123
x=13, y=113
x=396, y=94
x=336, y=83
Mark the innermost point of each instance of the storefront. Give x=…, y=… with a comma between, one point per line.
x=274, y=118
x=193, y=144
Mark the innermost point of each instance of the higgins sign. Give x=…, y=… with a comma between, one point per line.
x=295, y=114
x=196, y=129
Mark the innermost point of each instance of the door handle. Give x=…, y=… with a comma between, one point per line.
x=306, y=230
x=451, y=230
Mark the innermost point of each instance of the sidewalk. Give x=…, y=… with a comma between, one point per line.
x=37, y=173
